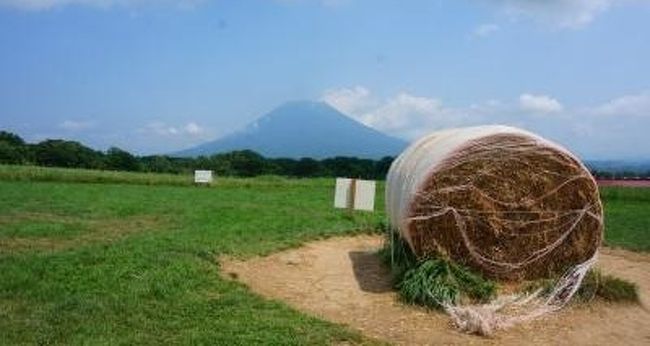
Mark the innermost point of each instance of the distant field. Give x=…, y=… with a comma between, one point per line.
x=130, y=263
x=625, y=183
x=627, y=217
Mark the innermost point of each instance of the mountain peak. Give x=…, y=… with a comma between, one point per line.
x=304, y=104
x=300, y=110
x=305, y=129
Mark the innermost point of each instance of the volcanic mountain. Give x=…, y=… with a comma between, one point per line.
x=305, y=129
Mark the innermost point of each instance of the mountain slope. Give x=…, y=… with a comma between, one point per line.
x=305, y=129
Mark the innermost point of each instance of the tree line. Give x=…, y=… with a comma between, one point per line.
x=243, y=163
x=620, y=175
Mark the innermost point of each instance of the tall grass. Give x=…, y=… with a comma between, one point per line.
x=607, y=287
x=78, y=175
x=397, y=254
x=432, y=282
x=435, y=282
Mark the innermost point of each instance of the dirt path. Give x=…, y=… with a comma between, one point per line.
x=341, y=280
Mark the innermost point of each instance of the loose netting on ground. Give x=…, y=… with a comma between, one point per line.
x=503, y=202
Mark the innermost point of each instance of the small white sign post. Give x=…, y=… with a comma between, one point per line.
x=354, y=194
x=203, y=177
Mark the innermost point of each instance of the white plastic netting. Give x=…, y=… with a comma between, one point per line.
x=531, y=197
x=506, y=311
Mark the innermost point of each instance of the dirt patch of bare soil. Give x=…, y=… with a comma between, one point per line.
x=342, y=280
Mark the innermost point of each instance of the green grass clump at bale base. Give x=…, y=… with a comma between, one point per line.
x=607, y=287
x=433, y=281
x=595, y=285
x=397, y=254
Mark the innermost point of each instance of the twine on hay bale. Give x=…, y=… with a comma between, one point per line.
x=500, y=200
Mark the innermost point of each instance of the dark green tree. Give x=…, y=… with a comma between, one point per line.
x=349, y=167
x=120, y=160
x=13, y=149
x=307, y=167
x=158, y=164
x=382, y=166
x=282, y=166
x=247, y=163
x=10, y=154
x=61, y=153
x=11, y=139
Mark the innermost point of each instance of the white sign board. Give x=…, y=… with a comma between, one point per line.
x=364, y=197
x=342, y=193
x=354, y=194
x=203, y=177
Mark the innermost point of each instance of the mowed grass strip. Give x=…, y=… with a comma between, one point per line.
x=160, y=284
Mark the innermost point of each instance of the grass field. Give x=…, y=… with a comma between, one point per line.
x=89, y=263
x=627, y=217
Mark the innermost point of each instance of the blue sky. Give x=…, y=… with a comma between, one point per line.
x=158, y=76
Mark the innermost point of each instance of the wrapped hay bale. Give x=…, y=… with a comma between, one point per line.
x=500, y=200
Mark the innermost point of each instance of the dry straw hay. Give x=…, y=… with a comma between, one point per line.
x=500, y=200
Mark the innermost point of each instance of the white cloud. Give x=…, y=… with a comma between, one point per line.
x=558, y=13
x=72, y=125
x=563, y=14
x=485, y=30
x=349, y=100
x=539, y=104
x=162, y=129
x=403, y=115
x=159, y=128
x=615, y=129
x=37, y=5
x=193, y=129
x=628, y=105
